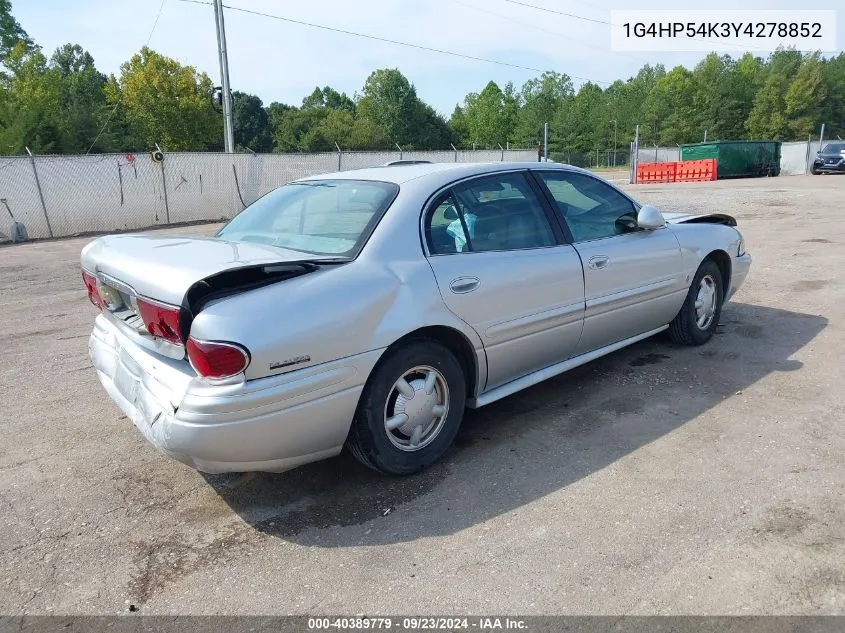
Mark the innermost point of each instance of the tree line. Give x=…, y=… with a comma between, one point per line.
x=63, y=104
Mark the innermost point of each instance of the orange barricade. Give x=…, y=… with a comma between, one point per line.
x=696, y=170
x=682, y=171
x=656, y=172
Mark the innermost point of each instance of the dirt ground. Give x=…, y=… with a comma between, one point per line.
x=658, y=480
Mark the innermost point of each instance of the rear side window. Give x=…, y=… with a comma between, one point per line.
x=495, y=213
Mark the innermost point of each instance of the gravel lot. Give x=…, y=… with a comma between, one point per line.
x=657, y=480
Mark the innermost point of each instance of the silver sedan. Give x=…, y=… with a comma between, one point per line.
x=369, y=308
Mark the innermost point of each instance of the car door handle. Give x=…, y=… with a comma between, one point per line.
x=462, y=285
x=598, y=262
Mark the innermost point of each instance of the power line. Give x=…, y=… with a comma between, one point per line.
x=385, y=39
x=608, y=23
x=550, y=32
x=114, y=109
x=155, y=24
x=569, y=15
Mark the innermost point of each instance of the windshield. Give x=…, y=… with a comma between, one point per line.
x=834, y=148
x=319, y=217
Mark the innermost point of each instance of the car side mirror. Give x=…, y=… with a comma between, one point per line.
x=650, y=219
x=450, y=213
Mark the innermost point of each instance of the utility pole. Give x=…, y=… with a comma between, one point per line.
x=545, y=142
x=614, y=141
x=821, y=137
x=228, y=128
x=635, y=153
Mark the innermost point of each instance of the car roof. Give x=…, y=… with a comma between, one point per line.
x=435, y=172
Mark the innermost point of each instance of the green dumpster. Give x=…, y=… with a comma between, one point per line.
x=738, y=159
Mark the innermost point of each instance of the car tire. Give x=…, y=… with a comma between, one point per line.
x=698, y=318
x=380, y=437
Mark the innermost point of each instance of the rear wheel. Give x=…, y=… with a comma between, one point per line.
x=410, y=410
x=699, y=316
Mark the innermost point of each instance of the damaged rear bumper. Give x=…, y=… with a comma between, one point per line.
x=269, y=424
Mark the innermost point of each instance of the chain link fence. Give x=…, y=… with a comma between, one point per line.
x=57, y=196
x=595, y=159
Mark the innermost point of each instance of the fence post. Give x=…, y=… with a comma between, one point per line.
x=807, y=157
x=120, y=180
x=339, y=155
x=503, y=152
x=40, y=193
x=400, y=150
x=164, y=188
x=635, y=155
x=456, y=151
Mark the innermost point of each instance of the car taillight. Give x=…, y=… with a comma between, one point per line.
x=90, y=282
x=160, y=320
x=215, y=359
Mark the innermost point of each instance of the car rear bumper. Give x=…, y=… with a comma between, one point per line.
x=739, y=272
x=269, y=424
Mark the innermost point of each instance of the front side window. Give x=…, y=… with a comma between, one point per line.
x=591, y=209
x=488, y=214
x=318, y=217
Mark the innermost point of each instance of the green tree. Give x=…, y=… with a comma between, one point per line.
x=30, y=104
x=83, y=101
x=768, y=118
x=11, y=33
x=165, y=102
x=365, y=134
x=390, y=102
x=540, y=99
x=251, y=123
x=335, y=126
x=581, y=124
x=805, y=97
x=291, y=126
x=833, y=109
x=669, y=109
x=488, y=117
x=459, y=126
x=328, y=97
x=734, y=97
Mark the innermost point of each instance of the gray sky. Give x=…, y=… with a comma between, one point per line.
x=281, y=61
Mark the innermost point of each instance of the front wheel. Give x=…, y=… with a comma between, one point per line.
x=411, y=409
x=696, y=323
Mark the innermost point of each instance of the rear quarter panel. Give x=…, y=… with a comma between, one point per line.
x=330, y=314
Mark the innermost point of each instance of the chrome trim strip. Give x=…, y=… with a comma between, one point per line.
x=534, y=319
x=632, y=292
x=539, y=376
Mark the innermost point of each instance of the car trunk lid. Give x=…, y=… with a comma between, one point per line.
x=164, y=268
x=153, y=287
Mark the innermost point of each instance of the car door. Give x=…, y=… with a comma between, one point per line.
x=633, y=278
x=502, y=266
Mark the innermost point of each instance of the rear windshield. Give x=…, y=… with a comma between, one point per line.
x=318, y=217
x=834, y=148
